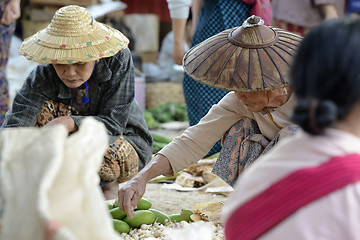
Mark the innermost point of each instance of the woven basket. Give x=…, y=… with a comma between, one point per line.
x=161, y=92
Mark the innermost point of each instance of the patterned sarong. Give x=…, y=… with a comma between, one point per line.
x=121, y=161
x=242, y=145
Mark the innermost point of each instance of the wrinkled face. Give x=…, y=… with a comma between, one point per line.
x=73, y=75
x=253, y=101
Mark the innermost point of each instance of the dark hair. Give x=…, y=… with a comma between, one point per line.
x=325, y=74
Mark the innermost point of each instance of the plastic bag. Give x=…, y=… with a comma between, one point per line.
x=50, y=183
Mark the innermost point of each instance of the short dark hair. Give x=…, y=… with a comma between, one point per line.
x=325, y=74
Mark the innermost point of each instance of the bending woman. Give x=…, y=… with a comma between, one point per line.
x=251, y=119
x=86, y=70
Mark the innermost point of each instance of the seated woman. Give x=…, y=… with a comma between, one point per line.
x=307, y=187
x=87, y=71
x=251, y=118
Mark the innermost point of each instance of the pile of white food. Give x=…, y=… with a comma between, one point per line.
x=159, y=231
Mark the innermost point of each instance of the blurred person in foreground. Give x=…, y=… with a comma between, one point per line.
x=308, y=186
x=9, y=13
x=210, y=17
x=86, y=70
x=250, y=119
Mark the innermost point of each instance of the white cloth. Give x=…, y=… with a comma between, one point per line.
x=196, y=141
x=179, y=8
x=49, y=178
x=165, y=67
x=335, y=216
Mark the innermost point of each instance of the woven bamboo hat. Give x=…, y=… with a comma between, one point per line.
x=73, y=36
x=249, y=58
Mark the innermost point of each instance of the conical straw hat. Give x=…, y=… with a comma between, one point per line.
x=249, y=58
x=73, y=36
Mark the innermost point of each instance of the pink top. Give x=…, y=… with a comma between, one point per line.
x=335, y=216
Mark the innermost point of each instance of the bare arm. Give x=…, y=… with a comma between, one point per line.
x=178, y=26
x=196, y=9
x=328, y=11
x=130, y=194
x=11, y=12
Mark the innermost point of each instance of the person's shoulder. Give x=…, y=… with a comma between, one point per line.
x=42, y=72
x=122, y=54
x=119, y=58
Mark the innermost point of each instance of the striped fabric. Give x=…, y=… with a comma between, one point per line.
x=263, y=212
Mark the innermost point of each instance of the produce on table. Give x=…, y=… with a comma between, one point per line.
x=185, y=215
x=159, y=141
x=160, y=216
x=167, y=112
x=163, y=178
x=150, y=120
x=140, y=217
x=121, y=226
x=117, y=213
x=175, y=217
x=150, y=223
x=143, y=204
x=110, y=205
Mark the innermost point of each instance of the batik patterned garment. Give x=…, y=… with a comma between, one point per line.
x=121, y=161
x=242, y=145
x=6, y=32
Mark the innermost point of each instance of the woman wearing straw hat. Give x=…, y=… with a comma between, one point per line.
x=86, y=70
x=252, y=62
x=209, y=18
x=308, y=186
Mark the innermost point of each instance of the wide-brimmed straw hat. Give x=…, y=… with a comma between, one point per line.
x=252, y=57
x=73, y=36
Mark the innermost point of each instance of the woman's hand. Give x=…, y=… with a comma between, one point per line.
x=11, y=12
x=67, y=121
x=130, y=194
x=178, y=53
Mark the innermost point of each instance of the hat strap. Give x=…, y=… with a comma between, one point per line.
x=85, y=98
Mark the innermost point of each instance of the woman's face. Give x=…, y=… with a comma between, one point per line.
x=74, y=75
x=253, y=101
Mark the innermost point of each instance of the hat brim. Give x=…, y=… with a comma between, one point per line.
x=219, y=63
x=45, y=48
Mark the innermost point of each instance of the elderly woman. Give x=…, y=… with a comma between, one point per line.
x=252, y=62
x=86, y=70
x=308, y=186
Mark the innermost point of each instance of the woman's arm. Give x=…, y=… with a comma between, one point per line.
x=178, y=26
x=179, y=12
x=196, y=9
x=191, y=146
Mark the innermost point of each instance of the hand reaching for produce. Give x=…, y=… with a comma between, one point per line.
x=131, y=193
x=133, y=190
